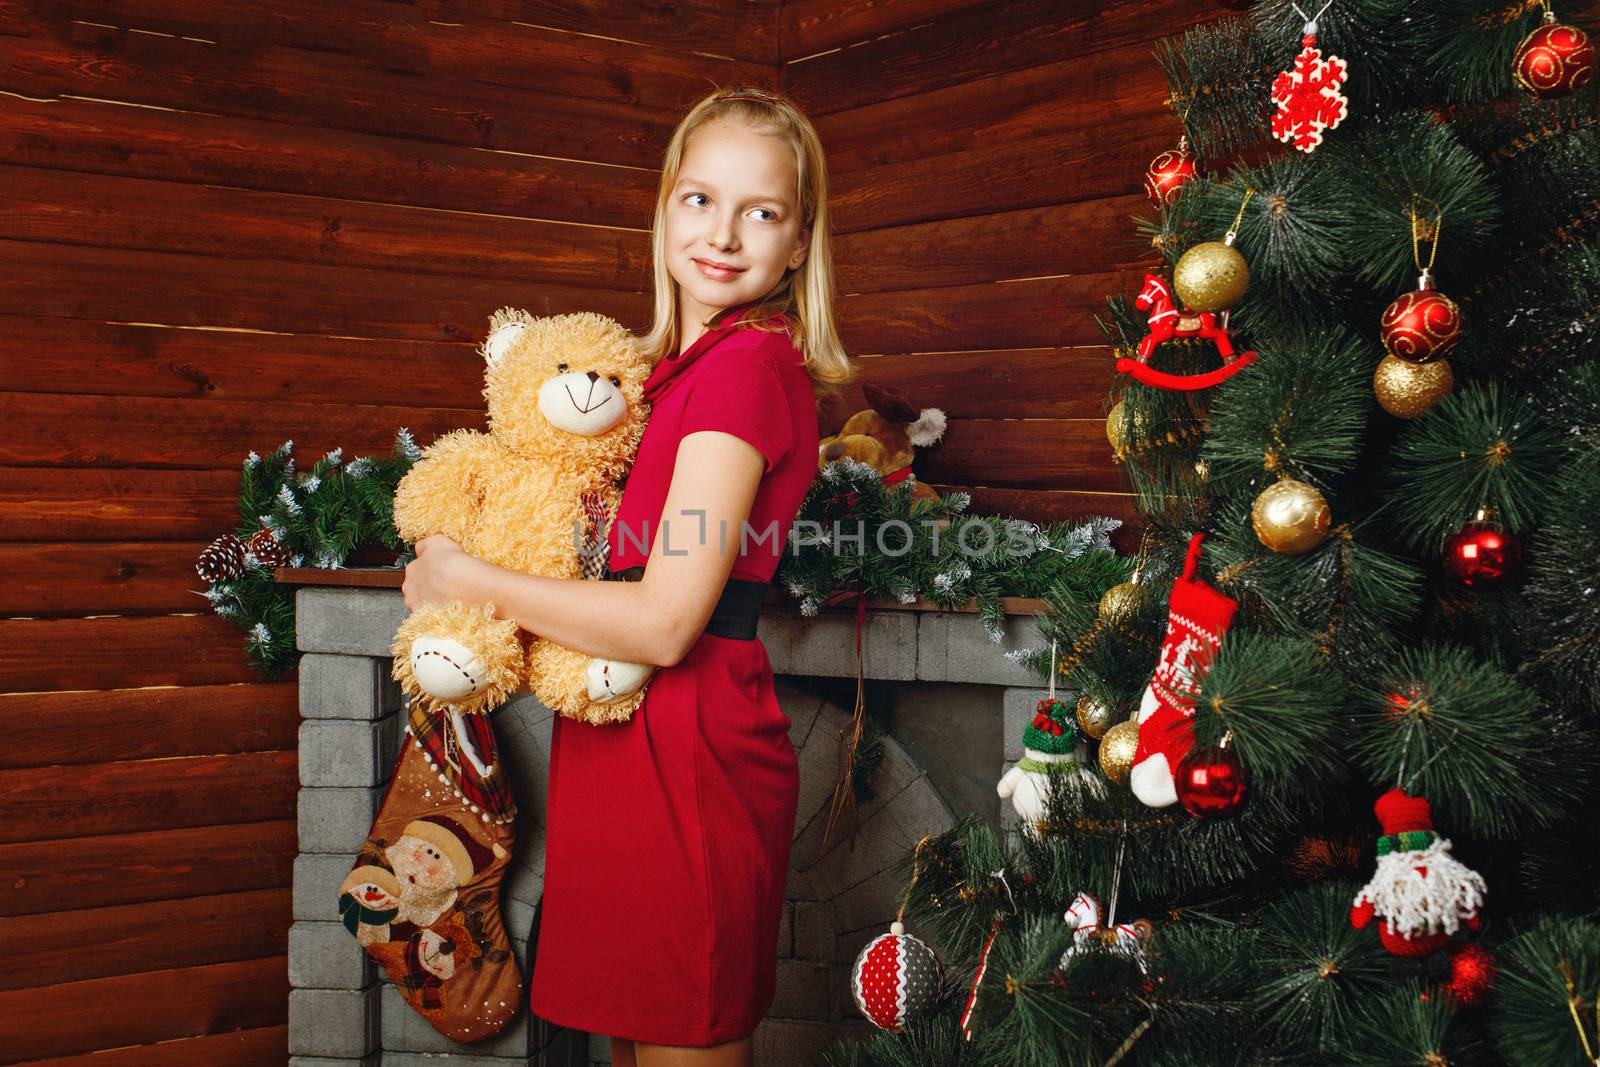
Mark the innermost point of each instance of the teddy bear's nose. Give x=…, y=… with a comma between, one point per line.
x=594, y=375
x=833, y=451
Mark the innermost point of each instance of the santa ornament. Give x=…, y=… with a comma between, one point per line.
x=1420, y=893
x=1198, y=616
x=1307, y=95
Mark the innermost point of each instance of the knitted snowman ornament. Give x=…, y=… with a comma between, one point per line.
x=1049, y=748
x=1422, y=893
x=1198, y=617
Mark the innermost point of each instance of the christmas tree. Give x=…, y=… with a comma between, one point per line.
x=1332, y=796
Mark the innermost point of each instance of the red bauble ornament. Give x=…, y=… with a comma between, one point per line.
x=1482, y=555
x=1553, y=60
x=1472, y=974
x=1167, y=174
x=1211, y=782
x=1422, y=325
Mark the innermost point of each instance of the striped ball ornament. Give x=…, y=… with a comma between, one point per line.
x=895, y=979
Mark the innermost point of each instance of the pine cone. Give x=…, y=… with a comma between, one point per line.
x=266, y=548
x=222, y=559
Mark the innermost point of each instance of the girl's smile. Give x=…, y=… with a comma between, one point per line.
x=720, y=271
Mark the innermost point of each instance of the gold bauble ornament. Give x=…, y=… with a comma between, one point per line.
x=1119, y=427
x=1409, y=390
x=1115, y=426
x=1290, y=517
x=1119, y=604
x=1116, y=751
x=1094, y=716
x=1211, y=276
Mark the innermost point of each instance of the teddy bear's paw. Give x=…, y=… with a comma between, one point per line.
x=446, y=669
x=611, y=679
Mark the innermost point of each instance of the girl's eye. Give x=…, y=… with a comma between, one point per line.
x=772, y=216
x=691, y=196
x=561, y=368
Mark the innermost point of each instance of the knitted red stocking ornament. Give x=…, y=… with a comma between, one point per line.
x=1197, y=618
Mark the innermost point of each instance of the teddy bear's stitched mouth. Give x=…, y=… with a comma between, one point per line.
x=585, y=410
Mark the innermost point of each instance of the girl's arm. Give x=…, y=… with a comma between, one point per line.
x=658, y=619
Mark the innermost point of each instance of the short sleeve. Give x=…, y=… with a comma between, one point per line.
x=736, y=389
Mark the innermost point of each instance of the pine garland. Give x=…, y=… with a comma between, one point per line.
x=853, y=533
x=320, y=516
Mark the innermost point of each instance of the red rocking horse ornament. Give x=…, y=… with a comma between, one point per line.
x=1167, y=322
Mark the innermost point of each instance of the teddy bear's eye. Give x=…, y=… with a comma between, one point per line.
x=561, y=368
x=615, y=381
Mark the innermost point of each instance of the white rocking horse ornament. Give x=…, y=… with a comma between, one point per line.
x=1167, y=322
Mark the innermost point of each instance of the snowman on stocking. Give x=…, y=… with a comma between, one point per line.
x=1197, y=618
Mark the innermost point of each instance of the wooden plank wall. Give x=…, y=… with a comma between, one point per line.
x=985, y=159
x=228, y=223
x=224, y=224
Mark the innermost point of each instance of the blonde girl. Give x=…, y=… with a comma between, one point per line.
x=667, y=835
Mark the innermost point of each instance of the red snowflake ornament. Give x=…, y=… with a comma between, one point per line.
x=1308, y=97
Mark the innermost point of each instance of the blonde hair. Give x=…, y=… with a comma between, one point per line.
x=804, y=294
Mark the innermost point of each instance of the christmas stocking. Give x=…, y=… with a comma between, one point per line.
x=424, y=896
x=1197, y=618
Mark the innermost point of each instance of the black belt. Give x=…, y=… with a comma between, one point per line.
x=738, y=609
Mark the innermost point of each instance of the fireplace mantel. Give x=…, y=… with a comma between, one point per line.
x=956, y=702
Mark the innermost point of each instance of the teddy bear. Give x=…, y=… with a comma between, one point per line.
x=885, y=437
x=566, y=410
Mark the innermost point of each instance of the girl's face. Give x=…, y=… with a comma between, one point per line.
x=733, y=219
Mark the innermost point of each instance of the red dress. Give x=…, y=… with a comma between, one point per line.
x=667, y=836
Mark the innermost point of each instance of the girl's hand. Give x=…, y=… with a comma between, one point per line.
x=433, y=577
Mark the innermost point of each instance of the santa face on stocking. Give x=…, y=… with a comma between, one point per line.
x=434, y=857
x=427, y=881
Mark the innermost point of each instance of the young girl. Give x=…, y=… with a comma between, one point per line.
x=667, y=836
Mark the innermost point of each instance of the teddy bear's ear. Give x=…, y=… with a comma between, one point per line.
x=505, y=326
